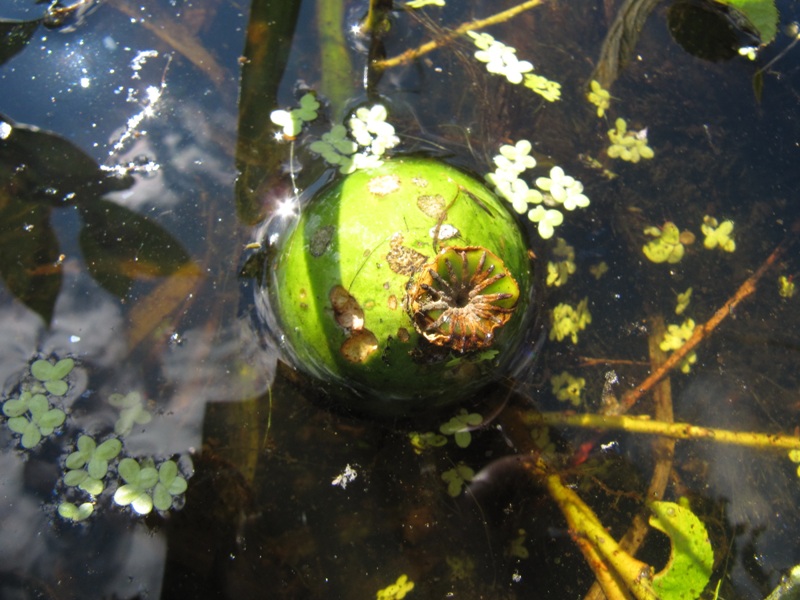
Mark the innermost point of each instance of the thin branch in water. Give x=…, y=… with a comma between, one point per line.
x=414, y=53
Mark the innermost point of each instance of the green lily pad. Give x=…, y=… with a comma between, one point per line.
x=691, y=558
x=761, y=14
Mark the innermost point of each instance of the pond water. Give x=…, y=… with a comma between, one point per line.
x=145, y=192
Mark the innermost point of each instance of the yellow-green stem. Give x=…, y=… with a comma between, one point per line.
x=680, y=431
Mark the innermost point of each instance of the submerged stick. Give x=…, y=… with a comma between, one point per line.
x=414, y=53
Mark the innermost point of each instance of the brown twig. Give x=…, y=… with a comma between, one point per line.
x=414, y=53
x=700, y=333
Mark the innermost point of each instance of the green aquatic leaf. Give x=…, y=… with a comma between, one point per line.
x=761, y=14
x=691, y=558
x=14, y=36
x=71, y=512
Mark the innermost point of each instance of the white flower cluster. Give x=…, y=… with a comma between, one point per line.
x=372, y=135
x=559, y=191
x=501, y=59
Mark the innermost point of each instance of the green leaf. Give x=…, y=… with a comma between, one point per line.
x=62, y=368
x=19, y=424
x=97, y=467
x=38, y=405
x=689, y=568
x=143, y=504
x=14, y=36
x=86, y=445
x=178, y=486
x=15, y=407
x=761, y=14
x=148, y=477
x=129, y=471
x=462, y=438
x=162, y=499
x=50, y=420
x=92, y=486
x=75, y=477
x=167, y=472
x=75, y=513
x=126, y=494
x=109, y=449
x=31, y=436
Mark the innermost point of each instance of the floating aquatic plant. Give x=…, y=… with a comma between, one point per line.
x=567, y=322
x=52, y=374
x=600, y=97
x=170, y=485
x=95, y=459
x=292, y=121
x=675, y=337
x=140, y=479
x=683, y=301
x=501, y=59
x=517, y=547
x=367, y=131
x=667, y=246
x=31, y=416
x=568, y=388
x=424, y=441
x=563, y=265
x=132, y=412
x=75, y=512
x=786, y=287
x=718, y=235
x=457, y=477
x=563, y=189
x=630, y=146
x=397, y=590
x=547, y=219
x=460, y=425
x=597, y=271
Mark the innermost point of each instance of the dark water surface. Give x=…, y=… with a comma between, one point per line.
x=137, y=163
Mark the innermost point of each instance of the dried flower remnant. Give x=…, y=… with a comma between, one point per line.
x=461, y=298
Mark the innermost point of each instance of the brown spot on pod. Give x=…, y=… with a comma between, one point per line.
x=462, y=297
x=346, y=310
x=383, y=185
x=359, y=346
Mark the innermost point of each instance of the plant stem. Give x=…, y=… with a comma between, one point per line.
x=700, y=333
x=678, y=431
x=414, y=53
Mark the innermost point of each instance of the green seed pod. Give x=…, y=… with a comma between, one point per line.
x=406, y=287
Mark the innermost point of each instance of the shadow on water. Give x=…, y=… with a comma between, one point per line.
x=140, y=201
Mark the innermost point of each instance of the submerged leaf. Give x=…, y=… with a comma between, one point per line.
x=691, y=556
x=761, y=14
x=14, y=36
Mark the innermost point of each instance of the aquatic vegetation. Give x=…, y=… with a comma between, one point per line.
x=597, y=271
x=501, y=59
x=292, y=121
x=683, y=301
x=73, y=512
x=547, y=88
x=630, y=146
x=170, y=485
x=563, y=189
x=718, y=235
x=95, y=459
x=132, y=412
x=560, y=190
x=667, y=246
x=423, y=3
x=600, y=97
x=424, y=441
x=794, y=456
x=568, y=388
x=517, y=547
x=559, y=270
x=748, y=51
x=457, y=477
x=423, y=299
x=567, y=322
x=140, y=479
x=52, y=375
x=459, y=427
x=397, y=590
x=31, y=416
x=786, y=287
x=368, y=130
x=675, y=337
